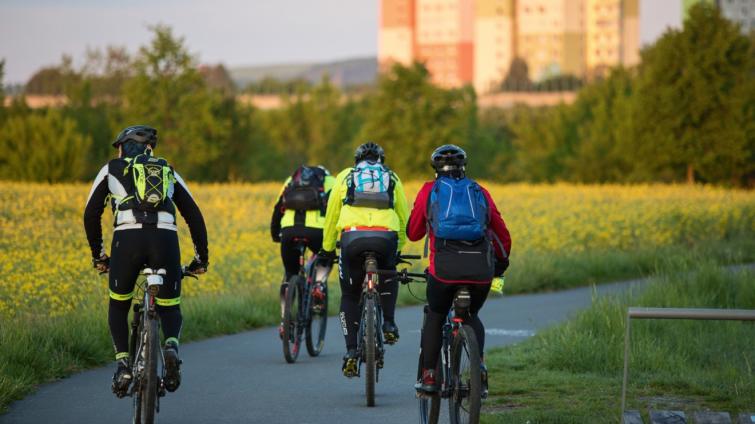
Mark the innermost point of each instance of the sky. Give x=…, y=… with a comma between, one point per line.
x=36, y=33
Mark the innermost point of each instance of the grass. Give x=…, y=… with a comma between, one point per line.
x=572, y=373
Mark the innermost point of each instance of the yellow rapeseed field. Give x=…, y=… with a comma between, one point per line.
x=45, y=267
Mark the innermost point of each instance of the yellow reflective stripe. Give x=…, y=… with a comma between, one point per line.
x=121, y=355
x=117, y=296
x=168, y=302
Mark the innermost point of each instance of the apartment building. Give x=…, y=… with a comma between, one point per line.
x=475, y=41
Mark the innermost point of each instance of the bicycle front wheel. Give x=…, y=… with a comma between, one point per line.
x=465, y=401
x=146, y=398
x=291, y=312
x=317, y=319
x=429, y=405
x=370, y=348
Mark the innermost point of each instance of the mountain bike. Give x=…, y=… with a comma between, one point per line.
x=370, y=348
x=458, y=371
x=146, y=355
x=305, y=310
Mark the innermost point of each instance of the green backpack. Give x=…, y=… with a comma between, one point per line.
x=153, y=178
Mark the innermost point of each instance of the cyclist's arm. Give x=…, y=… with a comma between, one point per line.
x=330, y=230
x=330, y=181
x=417, y=226
x=93, y=210
x=275, y=220
x=402, y=211
x=499, y=228
x=193, y=216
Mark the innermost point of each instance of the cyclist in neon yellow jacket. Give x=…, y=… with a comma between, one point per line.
x=300, y=214
x=367, y=209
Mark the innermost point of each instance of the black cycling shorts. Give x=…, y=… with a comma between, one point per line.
x=289, y=249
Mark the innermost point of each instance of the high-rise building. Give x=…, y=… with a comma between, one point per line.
x=475, y=41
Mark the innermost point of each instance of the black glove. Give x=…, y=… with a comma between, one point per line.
x=197, y=266
x=327, y=256
x=500, y=266
x=276, y=237
x=101, y=264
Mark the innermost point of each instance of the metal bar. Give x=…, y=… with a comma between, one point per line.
x=692, y=313
x=674, y=313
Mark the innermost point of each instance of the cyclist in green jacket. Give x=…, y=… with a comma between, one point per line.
x=367, y=209
x=300, y=214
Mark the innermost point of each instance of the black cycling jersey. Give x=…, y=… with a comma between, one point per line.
x=111, y=184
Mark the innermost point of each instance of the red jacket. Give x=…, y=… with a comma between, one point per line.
x=417, y=227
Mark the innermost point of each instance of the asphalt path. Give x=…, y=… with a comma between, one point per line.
x=243, y=378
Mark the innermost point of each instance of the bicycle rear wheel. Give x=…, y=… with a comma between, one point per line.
x=465, y=401
x=291, y=313
x=317, y=320
x=370, y=348
x=145, y=402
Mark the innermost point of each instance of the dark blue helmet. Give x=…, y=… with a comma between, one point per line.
x=448, y=157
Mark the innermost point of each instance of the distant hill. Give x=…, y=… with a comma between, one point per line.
x=343, y=73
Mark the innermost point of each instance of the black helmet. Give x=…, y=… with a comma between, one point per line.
x=369, y=150
x=141, y=134
x=448, y=157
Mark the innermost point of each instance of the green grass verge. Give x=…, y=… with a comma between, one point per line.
x=572, y=373
x=35, y=350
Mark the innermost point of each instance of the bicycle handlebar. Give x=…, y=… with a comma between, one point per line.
x=403, y=276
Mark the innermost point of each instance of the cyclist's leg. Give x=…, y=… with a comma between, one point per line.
x=439, y=299
x=351, y=276
x=126, y=260
x=290, y=258
x=479, y=293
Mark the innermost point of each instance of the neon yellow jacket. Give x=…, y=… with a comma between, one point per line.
x=340, y=216
x=313, y=218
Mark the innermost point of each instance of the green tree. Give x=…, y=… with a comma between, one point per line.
x=168, y=92
x=42, y=147
x=409, y=117
x=691, y=110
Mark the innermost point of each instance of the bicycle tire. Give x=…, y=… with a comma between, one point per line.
x=146, y=401
x=465, y=387
x=429, y=405
x=291, y=315
x=320, y=321
x=370, y=347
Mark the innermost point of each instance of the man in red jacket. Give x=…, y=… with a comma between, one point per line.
x=450, y=271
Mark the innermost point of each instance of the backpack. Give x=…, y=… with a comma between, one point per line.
x=153, y=181
x=458, y=216
x=306, y=189
x=370, y=185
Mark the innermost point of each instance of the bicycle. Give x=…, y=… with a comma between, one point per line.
x=370, y=348
x=145, y=350
x=305, y=315
x=459, y=365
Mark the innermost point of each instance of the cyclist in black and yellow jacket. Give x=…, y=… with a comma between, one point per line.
x=299, y=213
x=367, y=209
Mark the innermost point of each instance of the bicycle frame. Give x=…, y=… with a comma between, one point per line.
x=369, y=289
x=454, y=321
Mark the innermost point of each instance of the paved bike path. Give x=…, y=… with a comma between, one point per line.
x=243, y=378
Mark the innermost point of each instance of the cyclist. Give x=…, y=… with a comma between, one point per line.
x=368, y=210
x=142, y=237
x=456, y=266
x=299, y=214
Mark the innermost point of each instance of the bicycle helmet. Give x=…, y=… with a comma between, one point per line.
x=369, y=151
x=141, y=134
x=448, y=157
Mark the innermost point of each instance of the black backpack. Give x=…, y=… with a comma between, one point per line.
x=306, y=189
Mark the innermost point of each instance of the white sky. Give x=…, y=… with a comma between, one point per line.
x=36, y=33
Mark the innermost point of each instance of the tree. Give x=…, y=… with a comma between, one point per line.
x=410, y=117
x=42, y=147
x=518, y=77
x=691, y=106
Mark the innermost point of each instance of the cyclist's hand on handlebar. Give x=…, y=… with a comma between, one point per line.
x=101, y=264
x=327, y=256
x=197, y=266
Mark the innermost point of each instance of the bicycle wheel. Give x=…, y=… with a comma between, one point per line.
x=370, y=347
x=146, y=398
x=317, y=322
x=429, y=405
x=291, y=311
x=464, y=403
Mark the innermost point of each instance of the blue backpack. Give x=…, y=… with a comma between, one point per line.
x=457, y=209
